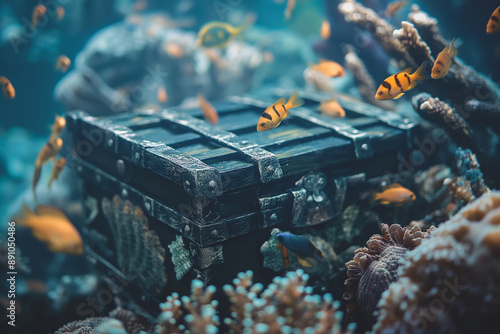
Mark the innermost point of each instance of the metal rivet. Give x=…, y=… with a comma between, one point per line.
x=124, y=193
x=186, y=229
x=143, y=298
x=120, y=165
x=187, y=183
x=364, y=147
x=215, y=232
x=274, y=216
x=147, y=206
x=137, y=156
x=110, y=142
x=212, y=184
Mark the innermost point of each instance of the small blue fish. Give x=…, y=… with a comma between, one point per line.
x=301, y=247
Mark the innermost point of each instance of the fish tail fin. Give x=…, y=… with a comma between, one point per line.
x=422, y=72
x=294, y=101
x=374, y=196
x=452, y=50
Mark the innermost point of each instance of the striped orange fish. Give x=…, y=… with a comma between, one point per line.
x=396, y=85
x=494, y=22
x=443, y=61
x=277, y=112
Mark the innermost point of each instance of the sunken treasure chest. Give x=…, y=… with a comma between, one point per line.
x=178, y=198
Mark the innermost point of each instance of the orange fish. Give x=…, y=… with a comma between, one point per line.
x=50, y=225
x=278, y=111
x=290, y=6
x=443, y=61
x=394, y=87
x=8, y=89
x=494, y=22
x=173, y=50
x=325, y=29
x=332, y=108
x=209, y=112
x=63, y=63
x=58, y=126
x=162, y=94
x=60, y=13
x=56, y=170
x=395, y=7
x=329, y=68
x=38, y=13
x=49, y=150
x=393, y=194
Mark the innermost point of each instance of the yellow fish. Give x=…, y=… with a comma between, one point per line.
x=396, y=85
x=494, y=22
x=277, y=112
x=443, y=61
x=48, y=151
x=58, y=126
x=395, y=7
x=393, y=194
x=63, y=63
x=332, y=108
x=56, y=170
x=50, y=225
x=329, y=68
x=8, y=89
x=217, y=34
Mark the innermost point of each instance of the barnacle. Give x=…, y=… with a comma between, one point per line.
x=374, y=267
x=451, y=274
x=139, y=252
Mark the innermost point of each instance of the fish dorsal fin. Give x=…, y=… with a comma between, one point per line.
x=47, y=210
x=406, y=70
x=391, y=186
x=281, y=101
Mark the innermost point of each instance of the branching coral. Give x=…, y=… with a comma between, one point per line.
x=449, y=284
x=366, y=85
x=442, y=114
x=412, y=44
x=200, y=316
x=374, y=267
x=286, y=306
x=140, y=254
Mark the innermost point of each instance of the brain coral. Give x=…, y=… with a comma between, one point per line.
x=451, y=282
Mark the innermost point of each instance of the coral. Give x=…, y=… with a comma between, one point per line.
x=111, y=326
x=460, y=190
x=443, y=115
x=369, y=20
x=87, y=326
x=321, y=270
x=374, y=267
x=449, y=284
x=285, y=306
x=139, y=252
x=132, y=323
x=201, y=315
x=180, y=257
x=468, y=167
x=366, y=85
x=412, y=44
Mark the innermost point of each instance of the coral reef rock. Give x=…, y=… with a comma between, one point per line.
x=87, y=326
x=139, y=252
x=449, y=284
x=286, y=306
x=375, y=267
